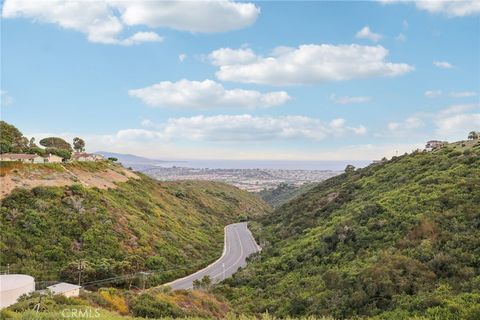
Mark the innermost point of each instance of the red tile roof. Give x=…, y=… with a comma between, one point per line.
x=19, y=156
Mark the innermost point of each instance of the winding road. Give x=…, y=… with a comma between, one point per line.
x=239, y=244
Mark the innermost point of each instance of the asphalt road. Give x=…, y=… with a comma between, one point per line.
x=239, y=244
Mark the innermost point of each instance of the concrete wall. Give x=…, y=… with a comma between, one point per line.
x=71, y=293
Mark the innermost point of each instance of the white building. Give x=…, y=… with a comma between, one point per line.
x=22, y=157
x=53, y=158
x=97, y=157
x=82, y=157
x=12, y=286
x=67, y=289
x=434, y=144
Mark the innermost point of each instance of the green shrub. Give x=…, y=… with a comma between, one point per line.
x=148, y=306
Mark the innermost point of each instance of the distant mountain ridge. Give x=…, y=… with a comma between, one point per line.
x=133, y=161
x=128, y=157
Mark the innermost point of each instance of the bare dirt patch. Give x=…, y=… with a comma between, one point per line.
x=58, y=175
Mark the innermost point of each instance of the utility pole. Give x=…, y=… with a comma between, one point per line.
x=81, y=267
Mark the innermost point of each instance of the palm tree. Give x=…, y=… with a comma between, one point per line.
x=473, y=135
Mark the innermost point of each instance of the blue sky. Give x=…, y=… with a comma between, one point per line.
x=250, y=80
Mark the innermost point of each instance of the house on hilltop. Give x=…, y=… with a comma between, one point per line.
x=434, y=144
x=22, y=157
x=97, y=157
x=82, y=156
x=53, y=158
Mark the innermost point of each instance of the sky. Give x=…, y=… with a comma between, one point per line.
x=270, y=80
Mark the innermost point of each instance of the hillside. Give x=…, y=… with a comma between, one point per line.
x=102, y=175
x=117, y=221
x=283, y=193
x=393, y=240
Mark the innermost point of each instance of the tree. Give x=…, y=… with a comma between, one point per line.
x=65, y=154
x=349, y=169
x=113, y=159
x=31, y=143
x=56, y=143
x=11, y=139
x=204, y=283
x=78, y=144
x=473, y=135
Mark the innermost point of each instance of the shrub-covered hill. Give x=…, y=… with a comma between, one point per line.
x=283, y=193
x=394, y=240
x=168, y=228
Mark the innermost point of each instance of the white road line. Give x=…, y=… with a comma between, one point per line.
x=187, y=280
x=211, y=264
x=239, y=258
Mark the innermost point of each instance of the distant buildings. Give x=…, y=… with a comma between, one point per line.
x=22, y=157
x=434, y=144
x=51, y=158
x=82, y=156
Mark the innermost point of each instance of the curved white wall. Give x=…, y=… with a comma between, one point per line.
x=12, y=286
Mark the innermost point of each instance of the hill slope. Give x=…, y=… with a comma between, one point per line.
x=137, y=224
x=393, y=240
x=101, y=175
x=283, y=193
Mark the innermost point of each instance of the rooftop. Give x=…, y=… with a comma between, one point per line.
x=63, y=287
x=19, y=155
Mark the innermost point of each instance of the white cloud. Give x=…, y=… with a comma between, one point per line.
x=443, y=64
x=193, y=16
x=451, y=123
x=458, y=120
x=433, y=93
x=104, y=21
x=6, y=99
x=405, y=126
x=182, y=57
x=307, y=64
x=245, y=128
x=227, y=56
x=141, y=37
x=366, y=33
x=462, y=94
x=451, y=8
x=349, y=100
x=205, y=94
x=158, y=148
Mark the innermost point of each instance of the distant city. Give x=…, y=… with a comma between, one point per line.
x=252, y=180
x=250, y=175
